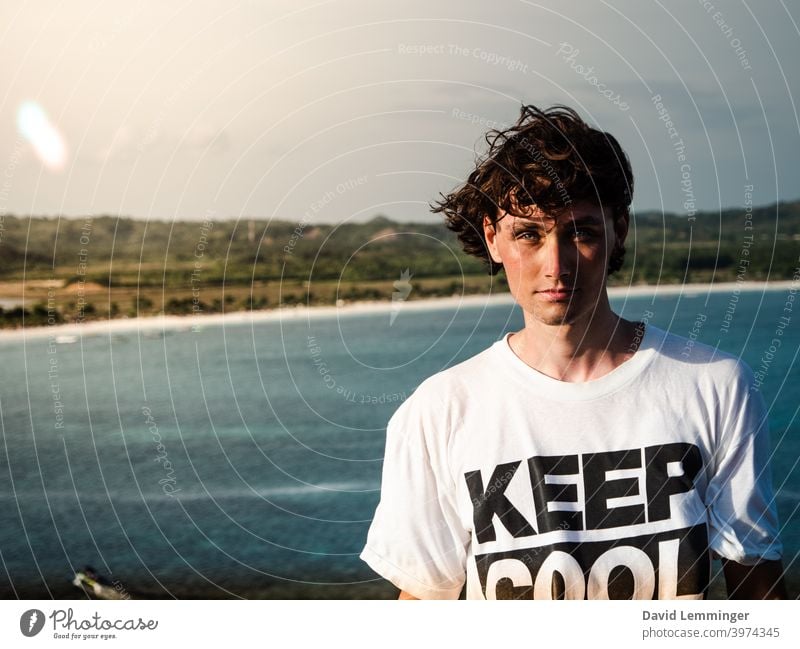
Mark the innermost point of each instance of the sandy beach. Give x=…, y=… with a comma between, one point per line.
x=196, y=322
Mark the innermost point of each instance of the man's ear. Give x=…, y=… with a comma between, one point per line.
x=490, y=234
x=621, y=224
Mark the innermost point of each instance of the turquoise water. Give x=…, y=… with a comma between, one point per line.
x=245, y=460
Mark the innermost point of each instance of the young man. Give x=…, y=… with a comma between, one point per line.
x=584, y=456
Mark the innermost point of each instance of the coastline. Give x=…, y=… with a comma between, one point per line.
x=197, y=322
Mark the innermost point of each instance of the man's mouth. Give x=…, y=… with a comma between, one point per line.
x=557, y=294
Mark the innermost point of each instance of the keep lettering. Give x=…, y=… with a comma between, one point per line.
x=669, y=469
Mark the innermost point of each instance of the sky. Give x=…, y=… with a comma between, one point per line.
x=340, y=110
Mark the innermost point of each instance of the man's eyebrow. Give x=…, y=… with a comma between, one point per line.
x=586, y=219
x=527, y=224
x=534, y=223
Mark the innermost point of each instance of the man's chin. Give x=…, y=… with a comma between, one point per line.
x=555, y=317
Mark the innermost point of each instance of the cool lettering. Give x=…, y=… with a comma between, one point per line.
x=668, y=565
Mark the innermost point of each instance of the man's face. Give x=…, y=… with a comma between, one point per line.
x=556, y=264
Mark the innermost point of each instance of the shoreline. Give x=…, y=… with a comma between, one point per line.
x=196, y=322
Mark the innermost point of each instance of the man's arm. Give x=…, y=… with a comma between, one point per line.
x=405, y=595
x=761, y=581
x=417, y=539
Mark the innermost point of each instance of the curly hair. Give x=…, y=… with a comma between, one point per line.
x=549, y=158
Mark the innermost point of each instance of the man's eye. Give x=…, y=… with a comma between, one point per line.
x=584, y=235
x=528, y=235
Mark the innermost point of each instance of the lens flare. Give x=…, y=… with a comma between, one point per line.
x=36, y=127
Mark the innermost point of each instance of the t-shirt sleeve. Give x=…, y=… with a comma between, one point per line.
x=741, y=503
x=416, y=539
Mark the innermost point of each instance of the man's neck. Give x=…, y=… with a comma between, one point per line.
x=577, y=352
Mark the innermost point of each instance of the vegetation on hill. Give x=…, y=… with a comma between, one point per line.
x=106, y=266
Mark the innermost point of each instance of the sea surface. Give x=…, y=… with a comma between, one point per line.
x=244, y=461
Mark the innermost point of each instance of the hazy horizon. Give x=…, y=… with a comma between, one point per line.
x=366, y=219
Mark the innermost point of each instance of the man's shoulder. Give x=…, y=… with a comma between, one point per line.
x=445, y=396
x=686, y=354
x=464, y=373
x=449, y=391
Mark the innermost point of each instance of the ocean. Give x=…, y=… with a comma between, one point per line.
x=244, y=460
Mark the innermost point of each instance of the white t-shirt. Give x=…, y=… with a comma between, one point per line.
x=527, y=486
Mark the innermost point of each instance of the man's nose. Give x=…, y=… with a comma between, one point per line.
x=557, y=257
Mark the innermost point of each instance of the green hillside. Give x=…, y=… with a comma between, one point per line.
x=109, y=266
